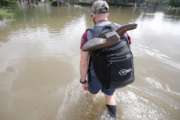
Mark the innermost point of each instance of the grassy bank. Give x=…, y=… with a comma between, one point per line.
x=5, y=14
x=6, y=9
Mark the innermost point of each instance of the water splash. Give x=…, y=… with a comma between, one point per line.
x=135, y=107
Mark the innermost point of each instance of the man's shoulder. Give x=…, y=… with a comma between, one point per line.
x=85, y=37
x=86, y=32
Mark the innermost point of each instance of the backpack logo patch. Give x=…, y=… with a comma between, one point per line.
x=124, y=72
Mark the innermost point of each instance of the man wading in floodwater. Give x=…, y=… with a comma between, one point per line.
x=109, y=68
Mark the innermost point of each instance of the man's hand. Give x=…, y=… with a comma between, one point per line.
x=84, y=85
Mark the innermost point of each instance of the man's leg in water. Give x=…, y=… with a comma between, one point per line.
x=110, y=101
x=94, y=86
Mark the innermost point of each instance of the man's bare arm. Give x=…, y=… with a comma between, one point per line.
x=84, y=63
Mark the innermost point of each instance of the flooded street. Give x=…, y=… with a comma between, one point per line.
x=39, y=67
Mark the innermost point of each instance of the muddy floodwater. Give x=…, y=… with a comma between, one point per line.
x=39, y=66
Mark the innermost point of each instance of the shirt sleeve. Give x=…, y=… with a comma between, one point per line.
x=83, y=39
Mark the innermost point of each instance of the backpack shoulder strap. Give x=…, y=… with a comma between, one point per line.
x=90, y=33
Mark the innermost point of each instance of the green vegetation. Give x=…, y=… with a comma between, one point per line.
x=4, y=13
x=5, y=9
x=7, y=6
x=157, y=2
x=7, y=3
x=174, y=3
x=174, y=7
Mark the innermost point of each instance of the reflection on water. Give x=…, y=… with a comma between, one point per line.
x=39, y=67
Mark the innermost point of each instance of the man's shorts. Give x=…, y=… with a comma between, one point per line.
x=94, y=85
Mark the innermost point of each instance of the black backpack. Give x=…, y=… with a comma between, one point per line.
x=113, y=66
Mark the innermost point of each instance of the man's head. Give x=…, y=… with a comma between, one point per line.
x=99, y=10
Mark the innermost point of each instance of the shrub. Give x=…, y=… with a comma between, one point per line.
x=174, y=3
